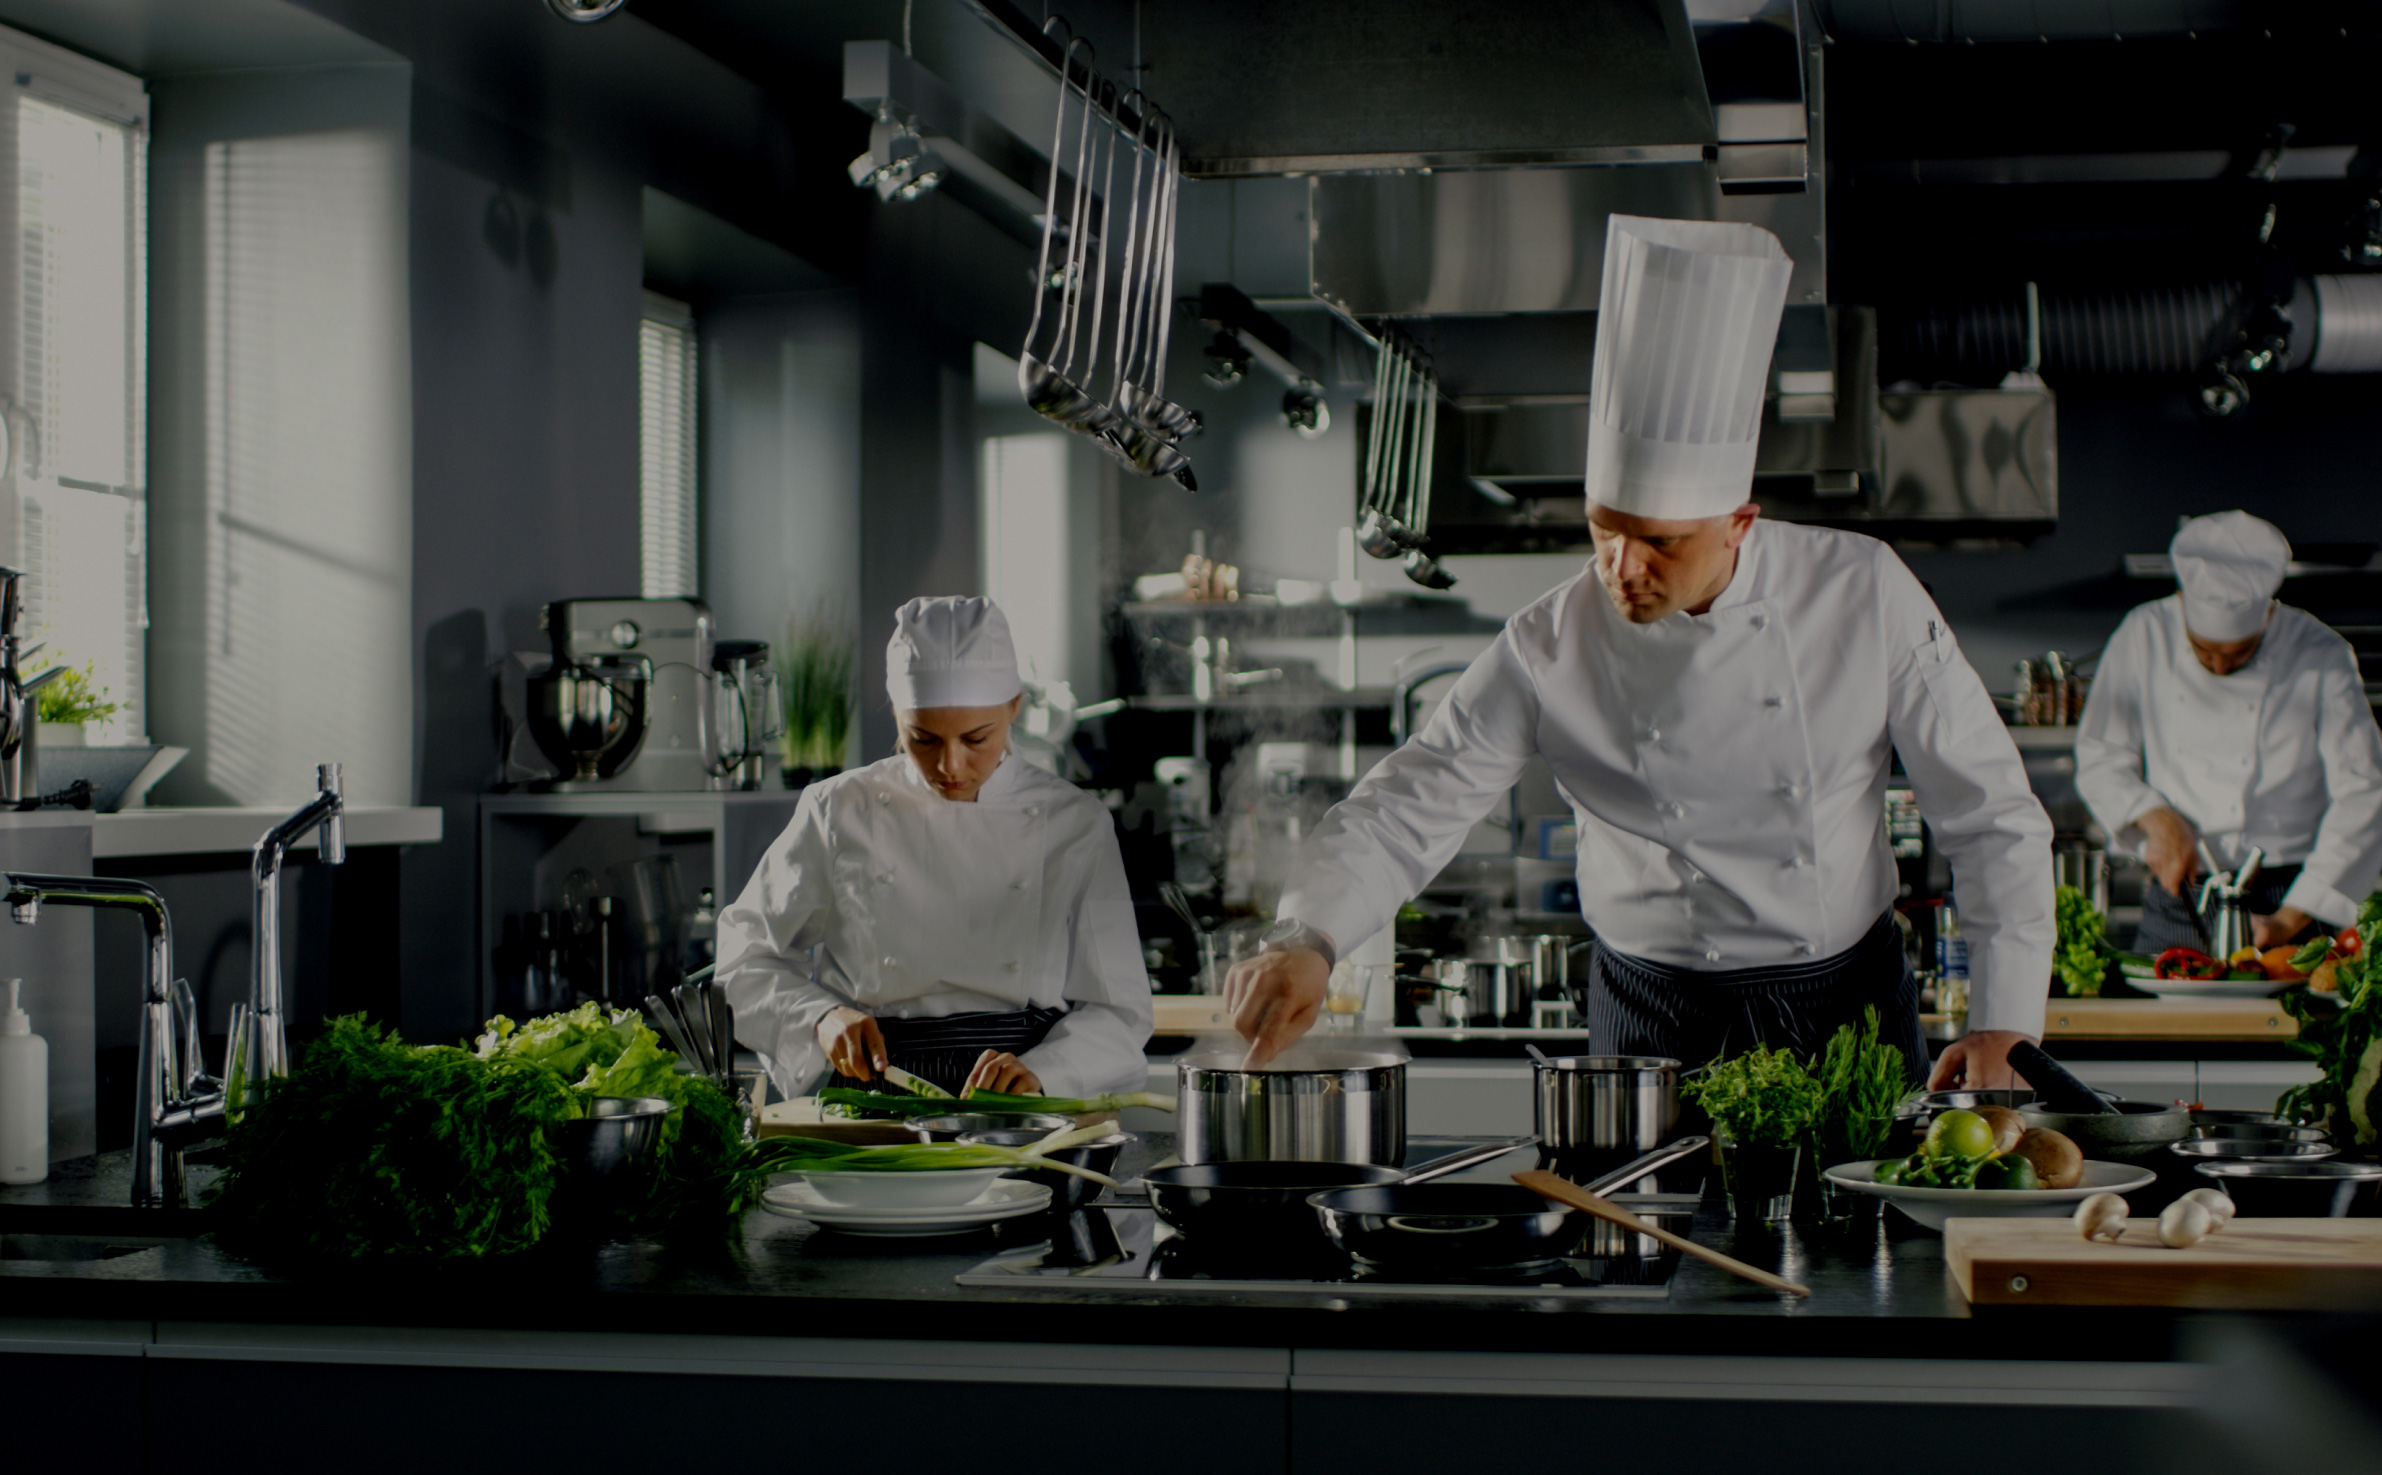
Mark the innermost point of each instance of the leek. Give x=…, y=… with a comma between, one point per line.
x=852, y=1101
x=795, y=1154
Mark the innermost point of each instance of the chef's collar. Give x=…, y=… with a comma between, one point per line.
x=1002, y=781
x=1740, y=585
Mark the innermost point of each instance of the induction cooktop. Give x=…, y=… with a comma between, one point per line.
x=1123, y=1250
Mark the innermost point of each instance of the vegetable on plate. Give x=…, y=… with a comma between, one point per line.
x=851, y=1101
x=2340, y=1029
x=810, y=1154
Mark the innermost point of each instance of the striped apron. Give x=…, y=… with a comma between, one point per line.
x=2167, y=918
x=945, y=1049
x=1637, y=1007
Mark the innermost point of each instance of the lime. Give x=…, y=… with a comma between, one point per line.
x=2007, y=1173
x=1959, y=1133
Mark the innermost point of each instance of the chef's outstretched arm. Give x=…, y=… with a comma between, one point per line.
x=1382, y=844
x=2347, y=859
x=763, y=967
x=2111, y=764
x=1972, y=787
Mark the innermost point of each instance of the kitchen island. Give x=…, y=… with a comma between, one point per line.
x=772, y=1333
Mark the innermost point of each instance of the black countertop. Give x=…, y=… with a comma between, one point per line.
x=1879, y=1290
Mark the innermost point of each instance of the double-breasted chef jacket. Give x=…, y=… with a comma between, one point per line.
x=2282, y=754
x=1728, y=773
x=884, y=895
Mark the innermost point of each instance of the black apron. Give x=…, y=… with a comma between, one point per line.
x=1637, y=1007
x=944, y=1050
x=2167, y=918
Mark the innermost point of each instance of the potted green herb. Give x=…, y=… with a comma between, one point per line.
x=1762, y=1105
x=1863, y=1084
x=69, y=701
x=817, y=685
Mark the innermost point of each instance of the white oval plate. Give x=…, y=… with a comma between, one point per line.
x=1932, y=1206
x=2212, y=988
x=1007, y=1198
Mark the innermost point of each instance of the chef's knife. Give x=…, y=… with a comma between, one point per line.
x=667, y=1022
x=697, y=1024
x=916, y=1085
x=2055, y=1083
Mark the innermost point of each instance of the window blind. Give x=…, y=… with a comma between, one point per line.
x=668, y=524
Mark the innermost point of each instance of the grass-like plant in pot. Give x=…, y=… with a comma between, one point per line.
x=816, y=681
x=71, y=701
x=1762, y=1104
x=1863, y=1084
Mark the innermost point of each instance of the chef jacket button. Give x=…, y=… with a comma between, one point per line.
x=1774, y=701
x=1011, y=967
x=1807, y=948
x=1695, y=878
x=1712, y=955
x=1760, y=621
x=1018, y=885
x=883, y=797
x=1033, y=809
x=885, y=962
x=885, y=878
x=1799, y=862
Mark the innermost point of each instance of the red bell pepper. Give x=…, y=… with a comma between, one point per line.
x=2186, y=962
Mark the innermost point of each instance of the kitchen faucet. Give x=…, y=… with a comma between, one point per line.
x=17, y=706
x=264, y=1047
x=175, y=1100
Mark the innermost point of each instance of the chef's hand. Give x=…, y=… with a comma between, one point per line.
x=854, y=1044
x=1274, y=998
x=2171, y=848
x=998, y=1070
x=2274, y=931
x=1977, y=1061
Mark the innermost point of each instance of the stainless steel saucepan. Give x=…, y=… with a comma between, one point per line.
x=1613, y=1106
x=1313, y=1103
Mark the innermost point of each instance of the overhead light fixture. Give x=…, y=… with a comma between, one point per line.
x=1228, y=362
x=1304, y=410
x=898, y=165
x=584, y=12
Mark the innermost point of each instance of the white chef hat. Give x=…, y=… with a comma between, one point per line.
x=1684, y=331
x=2229, y=564
x=952, y=651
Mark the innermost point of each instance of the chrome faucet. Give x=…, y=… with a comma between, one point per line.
x=175, y=1101
x=261, y=1048
x=17, y=706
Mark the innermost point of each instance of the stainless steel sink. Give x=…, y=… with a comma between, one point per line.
x=74, y=1248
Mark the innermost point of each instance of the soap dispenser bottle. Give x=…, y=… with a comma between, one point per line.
x=24, y=1096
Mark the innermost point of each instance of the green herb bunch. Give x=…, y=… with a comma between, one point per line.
x=1863, y=1083
x=373, y=1147
x=816, y=686
x=2082, y=959
x=1763, y=1098
x=74, y=697
x=2342, y=1033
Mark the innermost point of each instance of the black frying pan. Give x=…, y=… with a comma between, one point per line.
x=1453, y=1228
x=1263, y=1205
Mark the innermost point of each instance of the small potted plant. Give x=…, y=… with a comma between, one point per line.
x=1863, y=1085
x=1762, y=1105
x=69, y=701
x=816, y=686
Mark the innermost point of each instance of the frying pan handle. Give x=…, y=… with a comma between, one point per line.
x=1661, y=1157
x=1470, y=1157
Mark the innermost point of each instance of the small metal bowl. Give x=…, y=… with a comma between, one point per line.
x=2251, y=1150
x=1066, y=1190
x=617, y=1135
x=2328, y=1190
x=959, y=1123
x=2208, y=1116
x=2258, y=1131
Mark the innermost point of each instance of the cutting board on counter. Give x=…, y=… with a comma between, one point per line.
x=800, y=1118
x=2249, y=1265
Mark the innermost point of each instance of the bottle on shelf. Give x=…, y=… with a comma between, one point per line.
x=24, y=1095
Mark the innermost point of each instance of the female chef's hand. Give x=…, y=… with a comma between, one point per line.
x=854, y=1044
x=2170, y=847
x=998, y=1070
x=1274, y=998
x=1977, y=1061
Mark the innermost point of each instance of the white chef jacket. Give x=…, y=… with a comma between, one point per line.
x=2283, y=754
x=885, y=895
x=1728, y=773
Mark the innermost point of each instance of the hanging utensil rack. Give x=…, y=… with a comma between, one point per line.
x=1394, y=505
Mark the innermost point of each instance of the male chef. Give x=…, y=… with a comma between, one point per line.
x=2221, y=715
x=1720, y=699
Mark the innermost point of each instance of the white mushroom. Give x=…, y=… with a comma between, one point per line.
x=2184, y=1223
x=2220, y=1208
x=2103, y=1216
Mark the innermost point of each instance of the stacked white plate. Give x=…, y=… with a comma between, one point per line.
x=1006, y=1198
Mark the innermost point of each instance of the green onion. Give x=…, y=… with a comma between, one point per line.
x=852, y=1101
x=796, y=1154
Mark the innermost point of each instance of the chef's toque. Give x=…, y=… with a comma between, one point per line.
x=1684, y=330
x=2229, y=564
x=950, y=652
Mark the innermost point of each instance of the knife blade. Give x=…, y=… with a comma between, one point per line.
x=667, y=1022
x=722, y=1021
x=696, y=1024
x=916, y=1085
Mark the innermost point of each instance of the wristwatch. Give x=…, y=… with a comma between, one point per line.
x=1290, y=932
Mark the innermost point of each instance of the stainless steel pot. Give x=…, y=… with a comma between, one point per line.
x=1604, y=1104
x=1312, y=1104
x=1484, y=993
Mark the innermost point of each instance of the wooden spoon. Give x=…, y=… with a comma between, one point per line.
x=1563, y=1191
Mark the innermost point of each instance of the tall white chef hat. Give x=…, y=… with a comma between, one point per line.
x=2229, y=564
x=1683, y=337
x=952, y=651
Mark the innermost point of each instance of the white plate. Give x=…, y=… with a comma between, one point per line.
x=876, y=1192
x=1932, y=1206
x=2211, y=988
x=1008, y=1198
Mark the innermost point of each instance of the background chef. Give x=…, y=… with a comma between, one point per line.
x=2220, y=714
x=952, y=910
x=1719, y=698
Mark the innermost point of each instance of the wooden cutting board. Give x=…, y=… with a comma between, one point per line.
x=2249, y=1265
x=801, y=1117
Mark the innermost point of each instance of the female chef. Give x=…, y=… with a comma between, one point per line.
x=952, y=910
